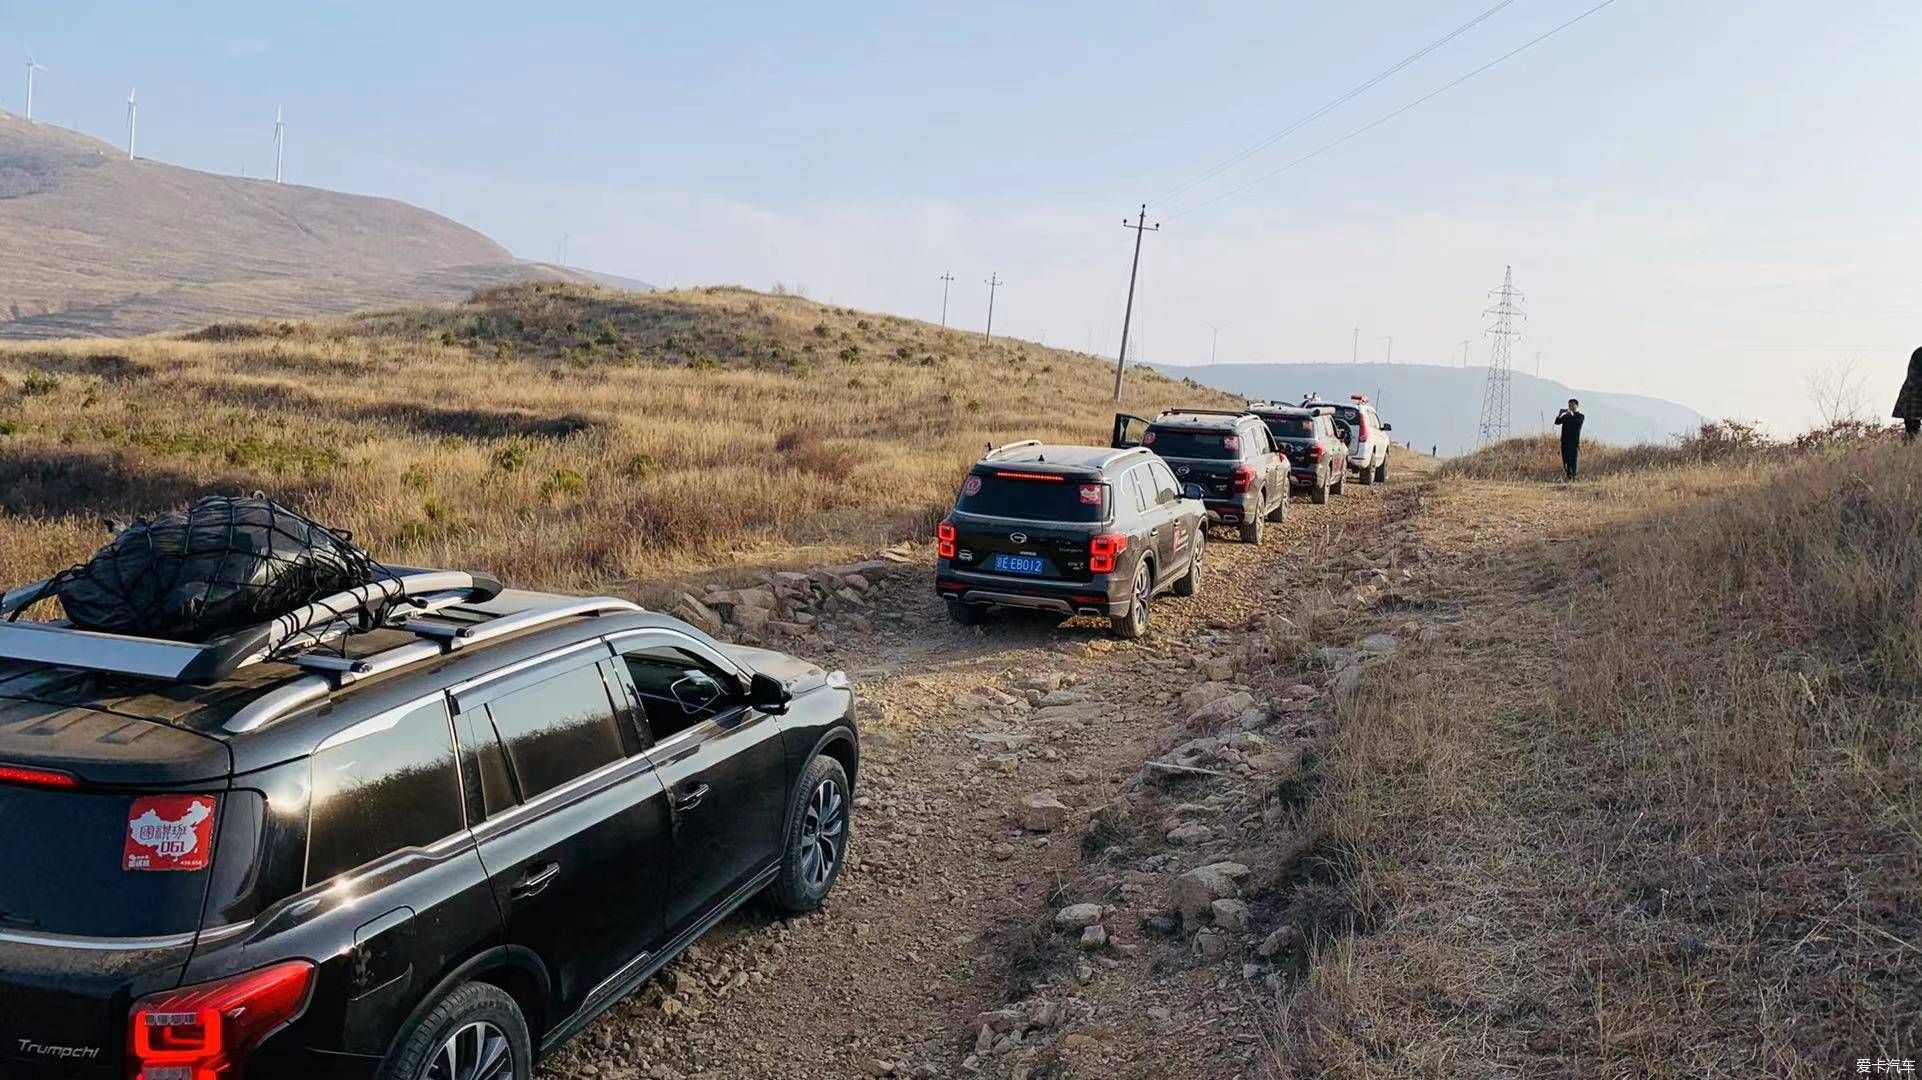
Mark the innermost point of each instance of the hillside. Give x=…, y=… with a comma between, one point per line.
x=99, y=245
x=562, y=435
x=1441, y=407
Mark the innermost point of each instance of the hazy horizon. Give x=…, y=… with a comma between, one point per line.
x=1700, y=207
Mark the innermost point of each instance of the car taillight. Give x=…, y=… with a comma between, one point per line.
x=944, y=539
x=1361, y=429
x=20, y=774
x=1242, y=478
x=1102, y=550
x=206, y=1031
x=1316, y=451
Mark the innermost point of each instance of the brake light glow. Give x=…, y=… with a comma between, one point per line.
x=944, y=539
x=206, y=1031
x=1049, y=477
x=1242, y=478
x=1102, y=550
x=20, y=774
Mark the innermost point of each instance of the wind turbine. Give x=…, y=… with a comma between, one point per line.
x=280, y=141
x=133, y=114
x=32, y=66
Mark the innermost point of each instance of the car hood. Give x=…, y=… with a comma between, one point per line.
x=796, y=674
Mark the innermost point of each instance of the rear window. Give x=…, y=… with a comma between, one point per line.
x=1188, y=443
x=64, y=858
x=1291, y=427
x=1033, y=496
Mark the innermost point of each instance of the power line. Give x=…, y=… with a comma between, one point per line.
x=1366, y=128
x=1331, y=106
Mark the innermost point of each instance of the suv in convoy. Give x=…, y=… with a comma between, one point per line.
x=1080, y=530
x=1224, y=457
x=423, y=828
x=1317, y=456
x=1367, y=436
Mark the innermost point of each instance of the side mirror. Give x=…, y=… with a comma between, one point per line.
x=768, y=694
x=1388, y=427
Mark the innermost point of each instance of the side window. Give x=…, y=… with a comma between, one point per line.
x=557, y=729
x=678, y=689
x=1165, y=486
x=382, y=792
x=1134, y=485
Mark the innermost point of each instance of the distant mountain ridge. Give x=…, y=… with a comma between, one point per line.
x=97, y=245
x=1433, y=405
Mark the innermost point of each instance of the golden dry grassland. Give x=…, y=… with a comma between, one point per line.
x=563, y=436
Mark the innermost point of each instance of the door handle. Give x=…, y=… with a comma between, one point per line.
x=689, y=796
x=534, y=881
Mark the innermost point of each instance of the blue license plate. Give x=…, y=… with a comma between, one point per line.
x=1019, y=564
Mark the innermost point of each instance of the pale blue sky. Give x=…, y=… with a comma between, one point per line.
x=1703, y=199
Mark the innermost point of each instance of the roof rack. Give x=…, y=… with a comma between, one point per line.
x=1124, y=452
x=996, y=451
x=402, y=594
x=330, y=672
x=1206, y=412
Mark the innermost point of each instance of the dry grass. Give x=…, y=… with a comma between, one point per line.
x=1653, y=806
x=564, y=436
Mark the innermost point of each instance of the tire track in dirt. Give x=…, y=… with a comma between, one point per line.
x=934, y=918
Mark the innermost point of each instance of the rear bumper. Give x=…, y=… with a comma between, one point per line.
x=1231, y=511
x=1096, y=597
x=1304, y=478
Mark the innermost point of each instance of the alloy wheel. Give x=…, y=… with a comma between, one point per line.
x=823, y=834
x=477, y=1051
x=1141, y=596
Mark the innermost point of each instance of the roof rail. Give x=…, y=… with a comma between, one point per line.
x=1206, y=412
x=996, y=451
x=403, y=593
x=1124, y=452
x=330, y=672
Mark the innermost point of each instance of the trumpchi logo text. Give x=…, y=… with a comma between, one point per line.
x=1019, y=538
x=69, y=1053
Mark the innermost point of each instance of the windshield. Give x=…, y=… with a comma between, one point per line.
x=1189, y=443
x=1033, y=496
x=104, y=865
x=1291, y=427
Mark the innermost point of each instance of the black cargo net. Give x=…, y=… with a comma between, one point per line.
x=220, y=565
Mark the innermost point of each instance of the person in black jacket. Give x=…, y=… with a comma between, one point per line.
x=1570, y=421
x=1908, y=403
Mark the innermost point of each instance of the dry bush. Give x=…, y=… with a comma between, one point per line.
x=1539, y=457
x=564, y=436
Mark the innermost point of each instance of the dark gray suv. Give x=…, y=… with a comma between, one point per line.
x=1079, y=530
x=1226, y=458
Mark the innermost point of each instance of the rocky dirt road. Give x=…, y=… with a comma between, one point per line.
x=1024, y=899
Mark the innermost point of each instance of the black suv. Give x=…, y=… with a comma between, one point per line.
x=1317, y=454
x=428, y=828
x=1080, y=530
x=1225, y=458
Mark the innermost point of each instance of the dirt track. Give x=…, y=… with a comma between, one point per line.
x=944, y=912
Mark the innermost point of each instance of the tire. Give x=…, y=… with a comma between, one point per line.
x=1280, y=512
x=1367, y=477
x=1319, y=495
x=475, y=1019
x=1340, y=485
x=820, y=823
x=1381, y=471
x=1190, y=582
x=965, y=614
x=1135, y=623
x=1251, y=530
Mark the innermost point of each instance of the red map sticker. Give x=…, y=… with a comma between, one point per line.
x=169, y=832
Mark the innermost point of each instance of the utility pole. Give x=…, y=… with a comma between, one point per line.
x=993, y=282
x=1390, y=339
x=947, y=278
x=1140, y=226
x=1212, y=342
x=1507, y=311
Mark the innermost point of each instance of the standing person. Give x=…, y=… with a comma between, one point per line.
x=1570, y=421
x=1908, y=403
